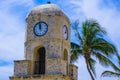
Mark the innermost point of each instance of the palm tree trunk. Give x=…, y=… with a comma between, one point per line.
x=87, y=65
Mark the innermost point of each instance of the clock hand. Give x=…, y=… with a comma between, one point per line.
x=40, y=26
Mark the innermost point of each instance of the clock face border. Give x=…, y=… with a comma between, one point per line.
x=65, y=32
x=37, y=24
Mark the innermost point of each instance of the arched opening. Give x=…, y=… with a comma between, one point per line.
x=65, y=55
x=66, y=59
x=40, y=61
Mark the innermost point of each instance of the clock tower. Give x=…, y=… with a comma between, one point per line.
x=47, y=46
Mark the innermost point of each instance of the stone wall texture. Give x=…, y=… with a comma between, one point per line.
x=73, y=72
x=42, y=77
x=55, y=66
x=21, y=68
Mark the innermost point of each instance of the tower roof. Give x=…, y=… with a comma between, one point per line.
x=48, y=9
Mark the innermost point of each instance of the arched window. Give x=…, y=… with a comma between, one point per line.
x=66, y=59
x=65, y=55
x=40, y=61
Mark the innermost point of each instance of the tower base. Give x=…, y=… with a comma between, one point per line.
x=41, y=77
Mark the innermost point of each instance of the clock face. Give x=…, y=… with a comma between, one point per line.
x=65, y=32
x=40, y=29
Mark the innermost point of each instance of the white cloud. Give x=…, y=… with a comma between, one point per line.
x=12, y=28
x=108, y=17
x=6, y=72
x=11, y=36
x=11, y=3
x=12, y=47
x=12, y=31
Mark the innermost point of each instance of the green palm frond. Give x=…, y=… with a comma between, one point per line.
x=102, y=59
x=77, y=34
x=105, y=47
x=75, y=53
x=74, y=45
x=118, y=56
x=110, y=74
x=115, y=73
x=105, y=61
x=92, y=27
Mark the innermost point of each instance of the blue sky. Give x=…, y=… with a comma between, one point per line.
x=12, y=28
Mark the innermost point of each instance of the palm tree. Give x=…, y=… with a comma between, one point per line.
x=91, y=44
x=116, y=72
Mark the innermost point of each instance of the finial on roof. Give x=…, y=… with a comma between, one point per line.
x=49, y=2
